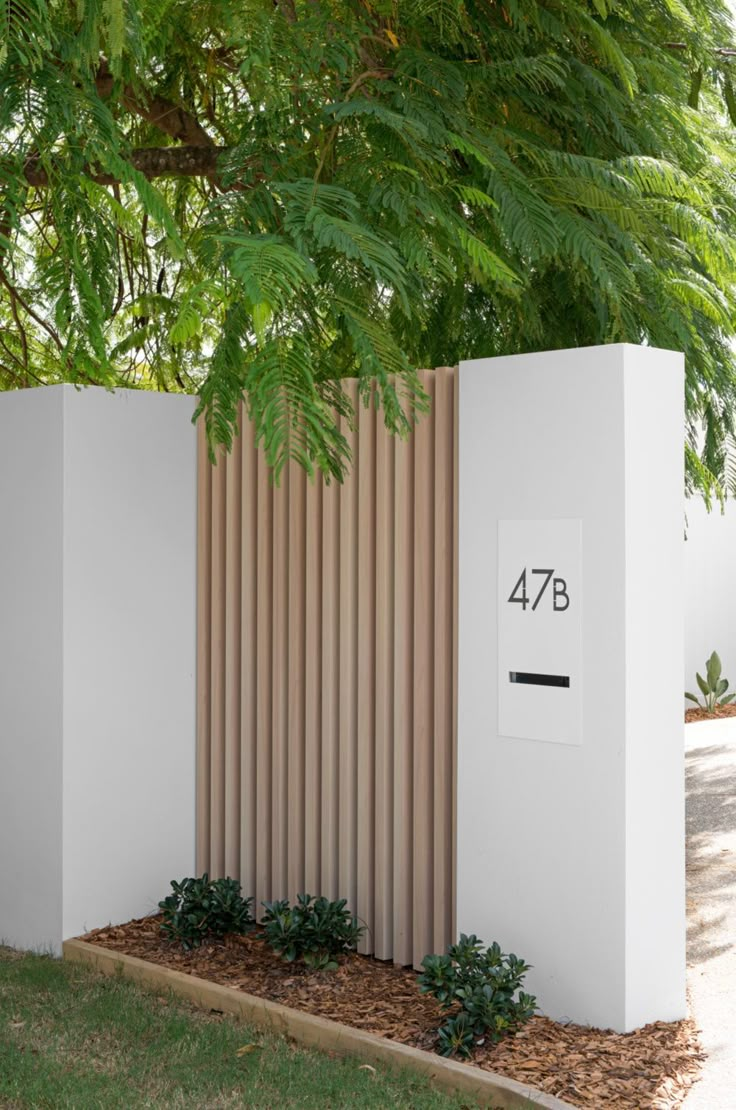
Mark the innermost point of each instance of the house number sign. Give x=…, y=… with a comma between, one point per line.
x=560, y=596
x=540, y=629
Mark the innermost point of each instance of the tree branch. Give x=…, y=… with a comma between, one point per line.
x=15, y=300
x=151, y=161
x=163, y=114
x=721, y=51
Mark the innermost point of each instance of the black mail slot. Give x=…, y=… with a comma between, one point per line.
x=528, y=678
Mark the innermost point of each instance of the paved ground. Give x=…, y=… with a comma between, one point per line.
x=711, y=863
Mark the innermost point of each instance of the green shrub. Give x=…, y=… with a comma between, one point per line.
x=315, y=930
x=481, y=989
x=712, y=687
x=201, y=908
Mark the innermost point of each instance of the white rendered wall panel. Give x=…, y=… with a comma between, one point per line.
x=129, y=652
x=546, y=833
x=30, y=668
x=529, y=448
x=710, y=602
x=655, y=770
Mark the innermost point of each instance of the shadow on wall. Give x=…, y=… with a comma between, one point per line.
x=710, y=782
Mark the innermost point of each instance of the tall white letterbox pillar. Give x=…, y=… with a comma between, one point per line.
x=97, y=657
x=570, y=786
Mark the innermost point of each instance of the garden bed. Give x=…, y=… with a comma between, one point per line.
x=653, y=1067
x=718, y=713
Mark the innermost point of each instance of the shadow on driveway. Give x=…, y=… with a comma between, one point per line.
x=710, y=781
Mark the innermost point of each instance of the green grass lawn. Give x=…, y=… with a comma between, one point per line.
x=71, y=1038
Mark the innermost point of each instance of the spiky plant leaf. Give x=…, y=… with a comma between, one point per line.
x=713, y=670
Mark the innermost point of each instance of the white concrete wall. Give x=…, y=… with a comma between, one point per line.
x=710, y=599
x=655, y=770
x=571, y=855
x=30, y=667
x=97, y=657
x=129, y=652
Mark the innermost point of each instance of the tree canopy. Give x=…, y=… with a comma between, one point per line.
x=259, y=198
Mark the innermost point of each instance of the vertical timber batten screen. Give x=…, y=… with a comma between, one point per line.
x=327, y=676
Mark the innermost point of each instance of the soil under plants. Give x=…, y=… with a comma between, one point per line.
x=699, y=714
x=651, y=1069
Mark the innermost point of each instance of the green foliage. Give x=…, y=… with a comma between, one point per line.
x=314, y=930
x=260, y=199
x=203, y=908
x=480, y=990
x=712, y=687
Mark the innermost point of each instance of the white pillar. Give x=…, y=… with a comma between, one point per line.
x=570, y=803
x=97, y=657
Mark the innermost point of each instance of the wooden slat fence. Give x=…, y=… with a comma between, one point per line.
x=326, y=677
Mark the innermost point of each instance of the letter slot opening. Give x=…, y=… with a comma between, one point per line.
x=528, y=678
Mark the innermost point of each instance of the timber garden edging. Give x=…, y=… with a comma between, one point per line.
x=487, y=1088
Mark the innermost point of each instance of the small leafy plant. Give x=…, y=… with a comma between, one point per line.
x=202, y=908
x=314, y=929
x=480, y=991
x=712, y=687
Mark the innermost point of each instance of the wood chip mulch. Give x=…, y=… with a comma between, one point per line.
x=698, y=714
x=651, y=1069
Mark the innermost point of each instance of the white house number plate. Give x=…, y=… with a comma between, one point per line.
x=540, y=630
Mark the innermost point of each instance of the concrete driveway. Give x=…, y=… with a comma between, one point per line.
x=711, y=892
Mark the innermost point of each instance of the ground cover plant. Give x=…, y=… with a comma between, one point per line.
x=204, y=907
x=480, y=992
x=315, y=930
x=71, y=1038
